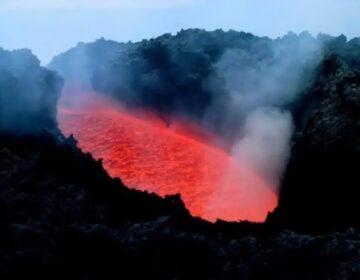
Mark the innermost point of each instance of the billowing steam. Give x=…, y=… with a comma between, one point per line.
x=265, y=146
x=260, y=93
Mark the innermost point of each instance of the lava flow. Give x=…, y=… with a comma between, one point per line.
x=149, y=155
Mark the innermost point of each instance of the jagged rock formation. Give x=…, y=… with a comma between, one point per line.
x=320, y=185
x=28, y=93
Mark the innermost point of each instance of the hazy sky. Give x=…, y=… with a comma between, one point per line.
x=49, y=27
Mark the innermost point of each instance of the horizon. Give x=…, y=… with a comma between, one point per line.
x=50, y=28
x=172, y=33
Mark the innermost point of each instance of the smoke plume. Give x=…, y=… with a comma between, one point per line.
x=261, y=92
x=265, y=146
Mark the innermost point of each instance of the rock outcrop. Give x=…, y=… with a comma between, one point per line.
x=28, y=93
x=320, y=187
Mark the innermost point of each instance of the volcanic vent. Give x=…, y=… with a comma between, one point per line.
x=148, y=154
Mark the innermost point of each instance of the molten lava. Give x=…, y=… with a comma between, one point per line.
x=149, y=155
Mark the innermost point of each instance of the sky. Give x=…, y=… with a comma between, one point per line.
x=49, y=27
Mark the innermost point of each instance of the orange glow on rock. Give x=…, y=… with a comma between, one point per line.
x=148, y=155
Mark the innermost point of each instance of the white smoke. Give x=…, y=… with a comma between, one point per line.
x=266, y=144
x=260, y=92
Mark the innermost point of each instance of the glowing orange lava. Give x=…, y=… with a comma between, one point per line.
x=148, y=155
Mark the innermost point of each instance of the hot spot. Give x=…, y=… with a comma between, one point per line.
x=148, y=154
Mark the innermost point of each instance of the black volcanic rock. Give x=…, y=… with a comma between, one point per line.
x=320, y=187
x=63, y=217
x=28, y=93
